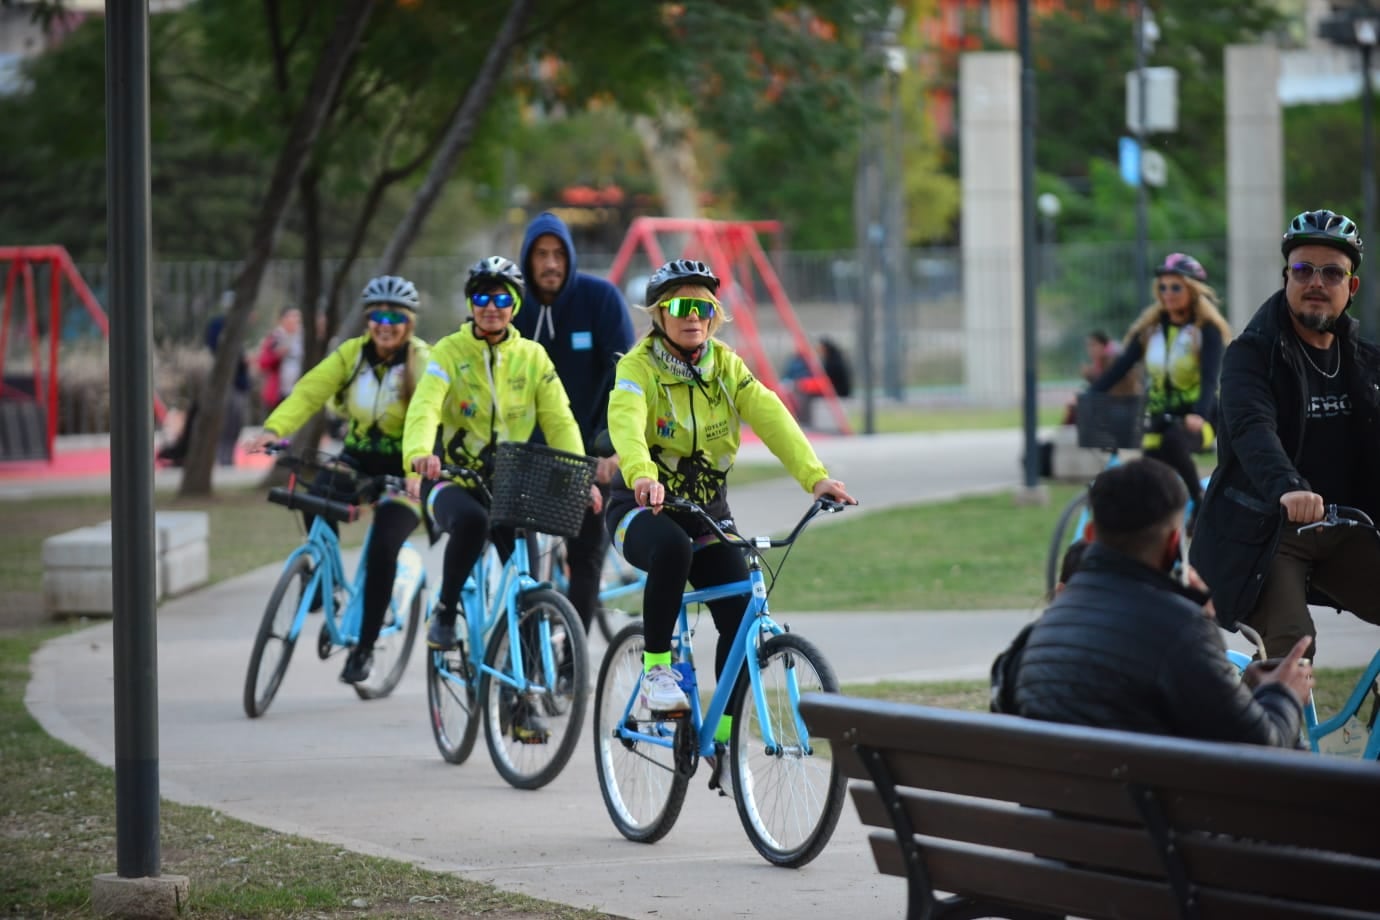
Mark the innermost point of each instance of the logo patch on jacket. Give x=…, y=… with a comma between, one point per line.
x=666, y=427
x=467, y=408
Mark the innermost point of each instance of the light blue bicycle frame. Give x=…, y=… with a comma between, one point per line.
x=1319, y=730
x=485, y=604
x=328, y=572
x=756, y=620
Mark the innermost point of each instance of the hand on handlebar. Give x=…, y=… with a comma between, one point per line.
x=1302, y=507
x=833, y=488
x=603, y=473
x=649, y=493
x=428, y=467
x=260, y=443
x=596, y=498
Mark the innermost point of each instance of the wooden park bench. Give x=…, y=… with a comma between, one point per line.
x=1021, y=819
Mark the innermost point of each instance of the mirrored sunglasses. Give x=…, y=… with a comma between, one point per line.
x=388, y=317
x=1332, y=275
x=501, y=301
x=681, y=307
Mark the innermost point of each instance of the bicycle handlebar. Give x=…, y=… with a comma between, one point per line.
x=732, y=537
x=1340, y=516
x=364, y=489
x=340, y=512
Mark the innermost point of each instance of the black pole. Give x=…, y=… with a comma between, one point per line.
x=894, y=209
x=131, y=439
x=1031, y=357
x=1142, y=220
x=1368, y=292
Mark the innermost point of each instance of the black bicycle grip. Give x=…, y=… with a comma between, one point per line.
x=340, y=512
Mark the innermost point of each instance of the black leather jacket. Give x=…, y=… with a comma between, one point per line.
x=1126, y=647
x=1263, y=426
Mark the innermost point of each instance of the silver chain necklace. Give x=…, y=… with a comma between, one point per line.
x=1309, y=358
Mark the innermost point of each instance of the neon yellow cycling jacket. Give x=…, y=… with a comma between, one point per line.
x=368, y=396
x=477, y=394
x=682, y=425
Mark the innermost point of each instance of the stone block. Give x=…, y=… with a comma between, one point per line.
x=77, y=564
x=161, y=898
x=183, y=568
x=1071, y=463
x=179, y=528
x=74, y=591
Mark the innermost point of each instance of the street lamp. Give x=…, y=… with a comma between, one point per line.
x=1356, y=23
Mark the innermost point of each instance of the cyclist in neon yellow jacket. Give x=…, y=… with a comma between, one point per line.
x=675, y=415
x=484, y=384
x=369, y=380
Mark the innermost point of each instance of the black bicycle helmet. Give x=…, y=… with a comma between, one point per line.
x=676, y=273
x=392, y=290
x=1325, y=228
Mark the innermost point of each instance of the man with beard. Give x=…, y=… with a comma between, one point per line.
x=583, y=323
x=1300, y=414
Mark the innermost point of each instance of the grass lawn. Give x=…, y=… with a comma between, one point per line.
x=893, y=418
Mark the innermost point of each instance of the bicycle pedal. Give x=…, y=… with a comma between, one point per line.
x=669, y=715
x=531, y=737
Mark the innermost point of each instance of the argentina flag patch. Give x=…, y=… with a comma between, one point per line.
x=630, y=386
x=435, y=370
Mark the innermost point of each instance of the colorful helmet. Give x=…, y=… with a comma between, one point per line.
x=1325, y=228
x=1178, y=263
x=678, y=272
x=391, y=289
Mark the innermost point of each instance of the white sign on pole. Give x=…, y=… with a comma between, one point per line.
x=1161, y=100
x=1154, y=170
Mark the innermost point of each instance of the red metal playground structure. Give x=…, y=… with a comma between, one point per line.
x=732, y=249
x=29, y=409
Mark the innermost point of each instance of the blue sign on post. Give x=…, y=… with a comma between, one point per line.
x=1130, y=161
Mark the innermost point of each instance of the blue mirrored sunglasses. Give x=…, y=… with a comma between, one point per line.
x=388, y=317
x=501, y=301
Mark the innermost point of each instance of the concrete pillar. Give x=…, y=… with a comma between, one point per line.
x=1256, y=213
x=990, y=168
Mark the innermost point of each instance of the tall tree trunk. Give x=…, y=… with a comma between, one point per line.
x=331, y=67
x=457, y=137
x=671, y=160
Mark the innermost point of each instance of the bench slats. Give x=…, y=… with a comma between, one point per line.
x=1222, y=862
x=1322, y=823
x=1032, y=883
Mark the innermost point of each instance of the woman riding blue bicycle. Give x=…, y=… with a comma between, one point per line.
x=675, y=418
x=370, y=381
x=484, y=384
x=1181, y=338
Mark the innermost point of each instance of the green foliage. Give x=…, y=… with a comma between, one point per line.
x=1323, y=158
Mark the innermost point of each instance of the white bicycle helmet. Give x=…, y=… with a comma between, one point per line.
x=392, y=289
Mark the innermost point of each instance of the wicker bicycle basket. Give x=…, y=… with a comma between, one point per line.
x=539, y=488
x=1108, y=421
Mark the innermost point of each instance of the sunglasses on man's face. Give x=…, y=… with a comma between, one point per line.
x=388, y=317
x=501, y=301
x=681, y=307
x=1173, y=287
x=1304, y=272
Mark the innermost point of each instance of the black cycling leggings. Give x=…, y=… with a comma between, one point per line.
x=460, y=513
x=1177, y=447
x=393, y=522
x=659, y=546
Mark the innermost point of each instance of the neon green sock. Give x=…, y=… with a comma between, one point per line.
x=652, y=659
x=724, y=730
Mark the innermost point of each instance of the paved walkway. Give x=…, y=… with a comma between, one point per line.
x=367, y=775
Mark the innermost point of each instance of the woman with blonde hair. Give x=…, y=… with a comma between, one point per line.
x=1181, y=338
x=676, y=411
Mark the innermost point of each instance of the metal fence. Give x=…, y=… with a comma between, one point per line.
x=1081, y=287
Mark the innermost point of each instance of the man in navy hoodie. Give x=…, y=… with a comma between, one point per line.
x=583, y=323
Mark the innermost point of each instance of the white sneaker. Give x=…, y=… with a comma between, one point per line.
x=661, y=692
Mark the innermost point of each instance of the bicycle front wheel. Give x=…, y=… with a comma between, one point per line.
x=451, y=699
x=789, y=794
x=273, y=645
x=1063, y=536
x=642, y=787
x=531, y=734
x=393, y=648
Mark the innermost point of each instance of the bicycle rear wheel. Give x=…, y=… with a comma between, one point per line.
x=642, y=787
x=789, y=798
x=522, y=758
x=393, y=648
x=268, y=662
x=1063, y=536
x=451, y=699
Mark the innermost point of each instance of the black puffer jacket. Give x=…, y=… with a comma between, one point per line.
x=1125, y=647
x=1261, y=432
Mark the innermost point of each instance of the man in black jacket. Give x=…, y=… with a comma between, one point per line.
x=1300, y=426
x=1126, y=646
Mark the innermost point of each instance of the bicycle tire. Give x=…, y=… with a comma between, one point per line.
x=642, y=788
x=1062, y=537
x=533, y=765
x=274, y=629
x=450, y=688
x=790, y=800
x=385, y=646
